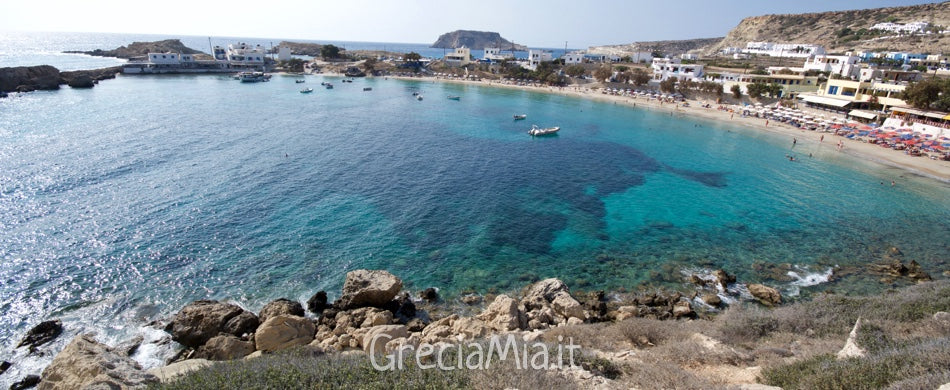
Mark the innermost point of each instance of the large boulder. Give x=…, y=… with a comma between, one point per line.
x=29, y=78
x=172, y=371
x=199, y=321
x=765, y=294
x=284, y=331
x=546, y=290
x=375, y=339
x=242, y=324
x=225, y=347
x=504, y=314
x=81, y=81
x=41, y=334
x=368, y=288
x=318, y=302
x=567, y=306
x=86, y=362
x=280, y=306
x=723, y=278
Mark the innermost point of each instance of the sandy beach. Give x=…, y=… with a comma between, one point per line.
x=922, y=166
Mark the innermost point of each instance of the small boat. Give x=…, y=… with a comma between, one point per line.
x=253, y=77
x=347, y=81
x=455, y=97
x=323, y=83
x=538, y=131
x=367, y=88
x=306, y=90
x=415, y=93
x=520, y=117
x=300, y=81
x=419, y=97
x=328, y=86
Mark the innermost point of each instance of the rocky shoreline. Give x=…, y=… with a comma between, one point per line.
x=373, y=304
x=46, y=77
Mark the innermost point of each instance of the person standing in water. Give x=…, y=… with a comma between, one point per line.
x=794, y=141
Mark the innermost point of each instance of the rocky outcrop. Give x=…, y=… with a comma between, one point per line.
x=141, y=49
x=86, y=362
x=225, y=347
x=302, y=49
x=504, y=314
x=368, y=288
x=42, y=333
x=318, y=302
x=475, y=40
x=376, y=338
x=88, y=78
x=430, y=294
x=896, y=269
x=282, y=306
x=29, y=78
x=766, y=295
x=199, y=321
x=28, y=382
x=170, y=372
x=284, y=331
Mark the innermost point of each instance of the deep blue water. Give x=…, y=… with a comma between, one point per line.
x=121, y=203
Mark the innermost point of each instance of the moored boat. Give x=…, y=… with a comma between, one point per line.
x=328, y=86
x=306, y=90
x=419, y=97
x=454, y=97
x=367, y=88
x=300, y=81
x=253, y=77
x=520, y=117
x=538, y=131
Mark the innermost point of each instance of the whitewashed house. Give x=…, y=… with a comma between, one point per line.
x=791, y=50
x=665, y=68
x=845, y=66
x=536, y=57
x=573, y=58
x=460, y=57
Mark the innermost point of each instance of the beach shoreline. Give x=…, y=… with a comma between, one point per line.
x=920, y=166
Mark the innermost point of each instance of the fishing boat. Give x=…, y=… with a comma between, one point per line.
x=520, y=117
x=306, y=90
x=300, y=81
x=538, y=131
x=455, y=97
x=367, y=88
x=419, y=97
x=328, y=86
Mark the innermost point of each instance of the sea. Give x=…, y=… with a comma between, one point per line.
x=122, y=203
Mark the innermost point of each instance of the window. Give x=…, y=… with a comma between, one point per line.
x=833, y=90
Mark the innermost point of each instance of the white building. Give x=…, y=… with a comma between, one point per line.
x=689, y=56
x=573, y=58
x=664, y=68
x=495, y=54
x=845, y=66
x=793, y=50
x=241, y=55
x=536, y=57
x=460, y=57
x=283, y=53
x=909, y=28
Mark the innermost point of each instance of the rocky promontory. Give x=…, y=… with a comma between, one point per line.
x=45, y=77
x=141, y=49
x=476, y=40
x=302, y=49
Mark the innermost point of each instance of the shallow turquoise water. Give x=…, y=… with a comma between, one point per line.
x=122, y=203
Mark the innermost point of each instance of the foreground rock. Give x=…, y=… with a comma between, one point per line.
x=29, y=78
x=170, y=372
x=28, y=382
x=765, y=294
x=225, y=347
x=199, y=321
x=284, y=331
x=851, y=348
x=318, y=302
x=41, y=334
x=368, y=288
x=278, y=307
x=86, y=362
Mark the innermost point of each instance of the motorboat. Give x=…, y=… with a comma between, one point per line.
x=367, y=88
x=253, y=77
x=455, y=97
x=328, y=86
x=306, y=90
x=521, y=117
x=538, y=131
x=300, y=81
x=419, y=97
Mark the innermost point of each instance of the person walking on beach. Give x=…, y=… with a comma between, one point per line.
x=794, y=141
x=821, y=139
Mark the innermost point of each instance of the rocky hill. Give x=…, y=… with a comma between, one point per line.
x=302, y=49
x=139, y=49
x=476, y=40
x=842, y=31
x=664, y=47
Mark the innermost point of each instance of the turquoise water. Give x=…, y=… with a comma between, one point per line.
x=121, y=203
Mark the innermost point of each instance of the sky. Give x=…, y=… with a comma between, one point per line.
x=535, y=23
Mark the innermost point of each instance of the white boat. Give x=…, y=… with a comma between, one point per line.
x=537, y=131
x=306, y=90
x=520, y=117
x=419, y=97
x=253, y=77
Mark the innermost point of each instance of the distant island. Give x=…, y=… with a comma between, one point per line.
x=476, y=40
x=141, y=49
